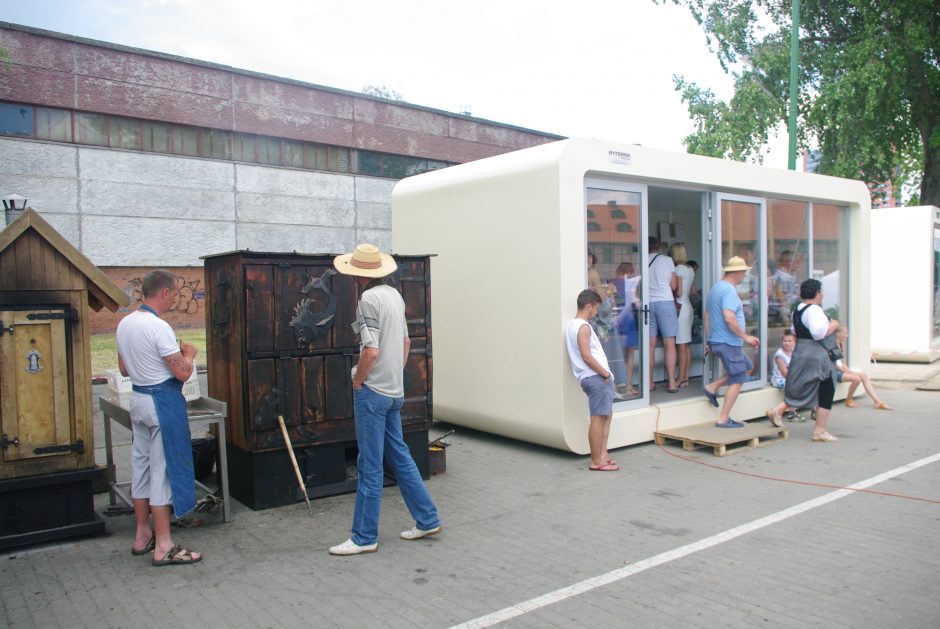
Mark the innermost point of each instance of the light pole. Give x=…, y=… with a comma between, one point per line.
x=13, y=204
x=794, y=79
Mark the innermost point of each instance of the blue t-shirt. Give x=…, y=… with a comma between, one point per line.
x=721, y=297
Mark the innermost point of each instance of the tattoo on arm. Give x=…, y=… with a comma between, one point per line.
x=180, y=367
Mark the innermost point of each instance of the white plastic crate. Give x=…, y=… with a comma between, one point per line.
x=120, y=386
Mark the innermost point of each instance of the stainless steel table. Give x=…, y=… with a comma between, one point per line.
x=204, y=410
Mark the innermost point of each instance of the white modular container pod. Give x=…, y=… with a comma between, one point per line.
x=512, y=235
x=905, y=274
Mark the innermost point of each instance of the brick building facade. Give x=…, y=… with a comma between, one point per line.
x=142, y=159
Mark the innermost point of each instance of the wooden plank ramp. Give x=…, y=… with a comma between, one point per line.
x=723, y=441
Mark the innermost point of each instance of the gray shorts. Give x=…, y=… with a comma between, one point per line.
x=664, y=321
x=736, y=363
x=600, y=395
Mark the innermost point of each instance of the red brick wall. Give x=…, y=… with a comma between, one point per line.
x=188, y=312
x=61, y=72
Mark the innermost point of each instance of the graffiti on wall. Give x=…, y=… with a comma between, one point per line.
x=187, y=301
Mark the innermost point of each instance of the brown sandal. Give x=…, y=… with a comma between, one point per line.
x=176, y=556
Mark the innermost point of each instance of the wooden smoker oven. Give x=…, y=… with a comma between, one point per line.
x=280, y=342
x=47, y=450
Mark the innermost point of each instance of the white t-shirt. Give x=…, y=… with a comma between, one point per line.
x=143, y=340
x=778, y=379
x=578, y=366
x=686, y=276
x=814, y=319
x=660, y=274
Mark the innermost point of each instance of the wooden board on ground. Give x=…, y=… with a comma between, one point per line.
x=723, y=441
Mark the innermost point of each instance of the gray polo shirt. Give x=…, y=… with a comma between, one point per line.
x=380, y=323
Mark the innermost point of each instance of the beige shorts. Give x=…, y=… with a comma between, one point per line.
x=148, y=464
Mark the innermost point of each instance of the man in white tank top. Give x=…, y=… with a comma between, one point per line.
x=590, y=367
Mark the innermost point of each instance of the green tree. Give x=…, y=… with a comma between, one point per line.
x=869, y=85
x=382, y=92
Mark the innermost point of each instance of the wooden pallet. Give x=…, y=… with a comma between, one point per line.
x=723, y=441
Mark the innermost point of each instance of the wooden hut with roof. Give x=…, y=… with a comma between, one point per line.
x=47, y=452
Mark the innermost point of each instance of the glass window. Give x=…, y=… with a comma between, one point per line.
x=269, y=150
x=214, y=143
x=185, y=141
x=293, y=153
x=828, y=257
x=614, y=271
x=124, y=133
x=740, y=236
x=787, y=265
x=315, y=156
x=339, y=159
x=16, y=120
x=155, y=137
x=91, y=129
x=53, y=124
x=245, y=147
x=370, y=163
x=936, y=283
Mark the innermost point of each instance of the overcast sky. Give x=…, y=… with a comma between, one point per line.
x=593, y=68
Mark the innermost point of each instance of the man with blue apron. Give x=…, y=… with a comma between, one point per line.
x=162, y=475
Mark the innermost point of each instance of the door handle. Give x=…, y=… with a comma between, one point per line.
x=646, y=314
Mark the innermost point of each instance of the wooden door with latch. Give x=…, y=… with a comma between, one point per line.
x=34, y=384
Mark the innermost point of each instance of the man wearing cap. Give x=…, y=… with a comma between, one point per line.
x=725, y=336
x=378, y=384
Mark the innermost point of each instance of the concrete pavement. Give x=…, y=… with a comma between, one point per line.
x=709, y=546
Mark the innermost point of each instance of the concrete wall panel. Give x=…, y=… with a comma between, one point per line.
x=36, y=159
x=254, y=207
x=373, y=215
x=43, y=194
x=123, y=241
x=66, y=224
x=374, y=189
x=381, y=238
x=289, y=182
x=155, y=169
x=303, y=239
x=130, y=199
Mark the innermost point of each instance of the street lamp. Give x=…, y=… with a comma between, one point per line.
x=13, y=204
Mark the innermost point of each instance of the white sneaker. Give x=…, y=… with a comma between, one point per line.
x=350, y=547
x=417, y=533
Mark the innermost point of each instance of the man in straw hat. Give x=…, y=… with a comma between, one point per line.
x=725, y=336
x=378, y=383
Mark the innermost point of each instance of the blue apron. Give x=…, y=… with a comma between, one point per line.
x=177, y=441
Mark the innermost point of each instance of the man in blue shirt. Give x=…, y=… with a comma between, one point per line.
x=725, y=336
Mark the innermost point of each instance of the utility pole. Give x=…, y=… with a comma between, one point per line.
x=794, y=79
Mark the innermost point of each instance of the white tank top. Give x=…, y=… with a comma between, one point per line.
x=578, y=366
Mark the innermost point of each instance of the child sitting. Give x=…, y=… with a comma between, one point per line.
x=781, y=367
x=845, y=374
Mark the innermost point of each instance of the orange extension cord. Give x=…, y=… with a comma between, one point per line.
x=785, y=480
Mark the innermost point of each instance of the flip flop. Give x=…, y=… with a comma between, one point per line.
x=676, y=390
x=711, y=397
x=684, y=383
x=729, y=424
x=177, y=556
x=606, y=467
x=147, y=549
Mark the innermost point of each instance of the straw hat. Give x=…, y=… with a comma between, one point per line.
x=736, y=263
x=365, y=261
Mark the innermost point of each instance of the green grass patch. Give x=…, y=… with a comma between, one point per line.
x=104, y=349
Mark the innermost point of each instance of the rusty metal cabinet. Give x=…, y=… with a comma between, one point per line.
x=280, y=342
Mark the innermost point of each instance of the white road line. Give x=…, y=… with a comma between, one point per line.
x=683, y=551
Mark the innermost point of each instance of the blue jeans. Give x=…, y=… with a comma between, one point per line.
x=378, y=431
